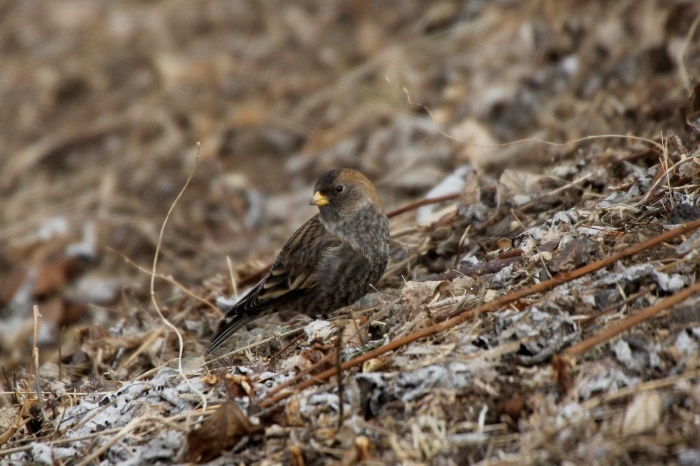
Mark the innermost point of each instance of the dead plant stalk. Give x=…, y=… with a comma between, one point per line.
x=462, y=315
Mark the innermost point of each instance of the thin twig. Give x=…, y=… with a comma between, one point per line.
x=35, y=363
x=289, y=383
x=654, y=384
x=59, y=362
x=232, y=274
x=133, y=424
x=526, y=140
x=256, y=344
x=326, y=358
x=474, y=270
x=630, y=322
x=534, y=243
x=424, y=202
x=286, y=347
x=154, y=300
x=167, y=278
x=338, y=361
x=464, y=315
x=62, y=441
x=155, y=334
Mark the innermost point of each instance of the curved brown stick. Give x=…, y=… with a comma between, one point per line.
x=296, y=378
x=463, y=315
x=415, y=205
x=629, y=322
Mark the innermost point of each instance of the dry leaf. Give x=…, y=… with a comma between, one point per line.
x=358, y=453
x=574, y=254
x=563, y=369
x=417, y=293
x=293, y=412
x=238, y=386
x=353, y=335
x=222, y=431
x=513, y=406
x=374, y=365
x=643, y=414
x=296, y=455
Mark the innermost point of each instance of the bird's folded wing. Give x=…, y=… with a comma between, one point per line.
x=294, y=272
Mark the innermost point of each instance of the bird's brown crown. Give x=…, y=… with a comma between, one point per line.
x=345, y=189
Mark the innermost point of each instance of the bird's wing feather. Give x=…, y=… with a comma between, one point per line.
x=293, y=275
x=294, y=272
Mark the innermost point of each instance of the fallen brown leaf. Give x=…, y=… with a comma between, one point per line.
x=238, y=386
x=222, y=431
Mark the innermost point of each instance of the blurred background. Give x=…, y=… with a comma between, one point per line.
x=103, y=104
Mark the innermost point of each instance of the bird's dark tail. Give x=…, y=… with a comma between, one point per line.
x=228, y=327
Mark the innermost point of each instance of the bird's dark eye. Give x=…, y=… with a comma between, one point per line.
x=339, y=188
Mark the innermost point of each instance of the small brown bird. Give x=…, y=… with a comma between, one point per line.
x=330, y=262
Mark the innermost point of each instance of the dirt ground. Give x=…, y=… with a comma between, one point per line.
x=544, y=311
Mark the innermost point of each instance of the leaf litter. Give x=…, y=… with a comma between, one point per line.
x=497, y=333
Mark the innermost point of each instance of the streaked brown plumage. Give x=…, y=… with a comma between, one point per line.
x=329, y=262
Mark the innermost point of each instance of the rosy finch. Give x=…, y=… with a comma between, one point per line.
x=330, y=262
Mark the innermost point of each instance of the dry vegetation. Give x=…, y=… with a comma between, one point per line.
x=547, y=313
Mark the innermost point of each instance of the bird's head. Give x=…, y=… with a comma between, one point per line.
x=344, y=191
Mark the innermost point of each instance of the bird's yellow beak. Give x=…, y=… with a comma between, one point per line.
x=319, y=200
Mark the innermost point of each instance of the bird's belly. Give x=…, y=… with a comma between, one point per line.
x=341, y=283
